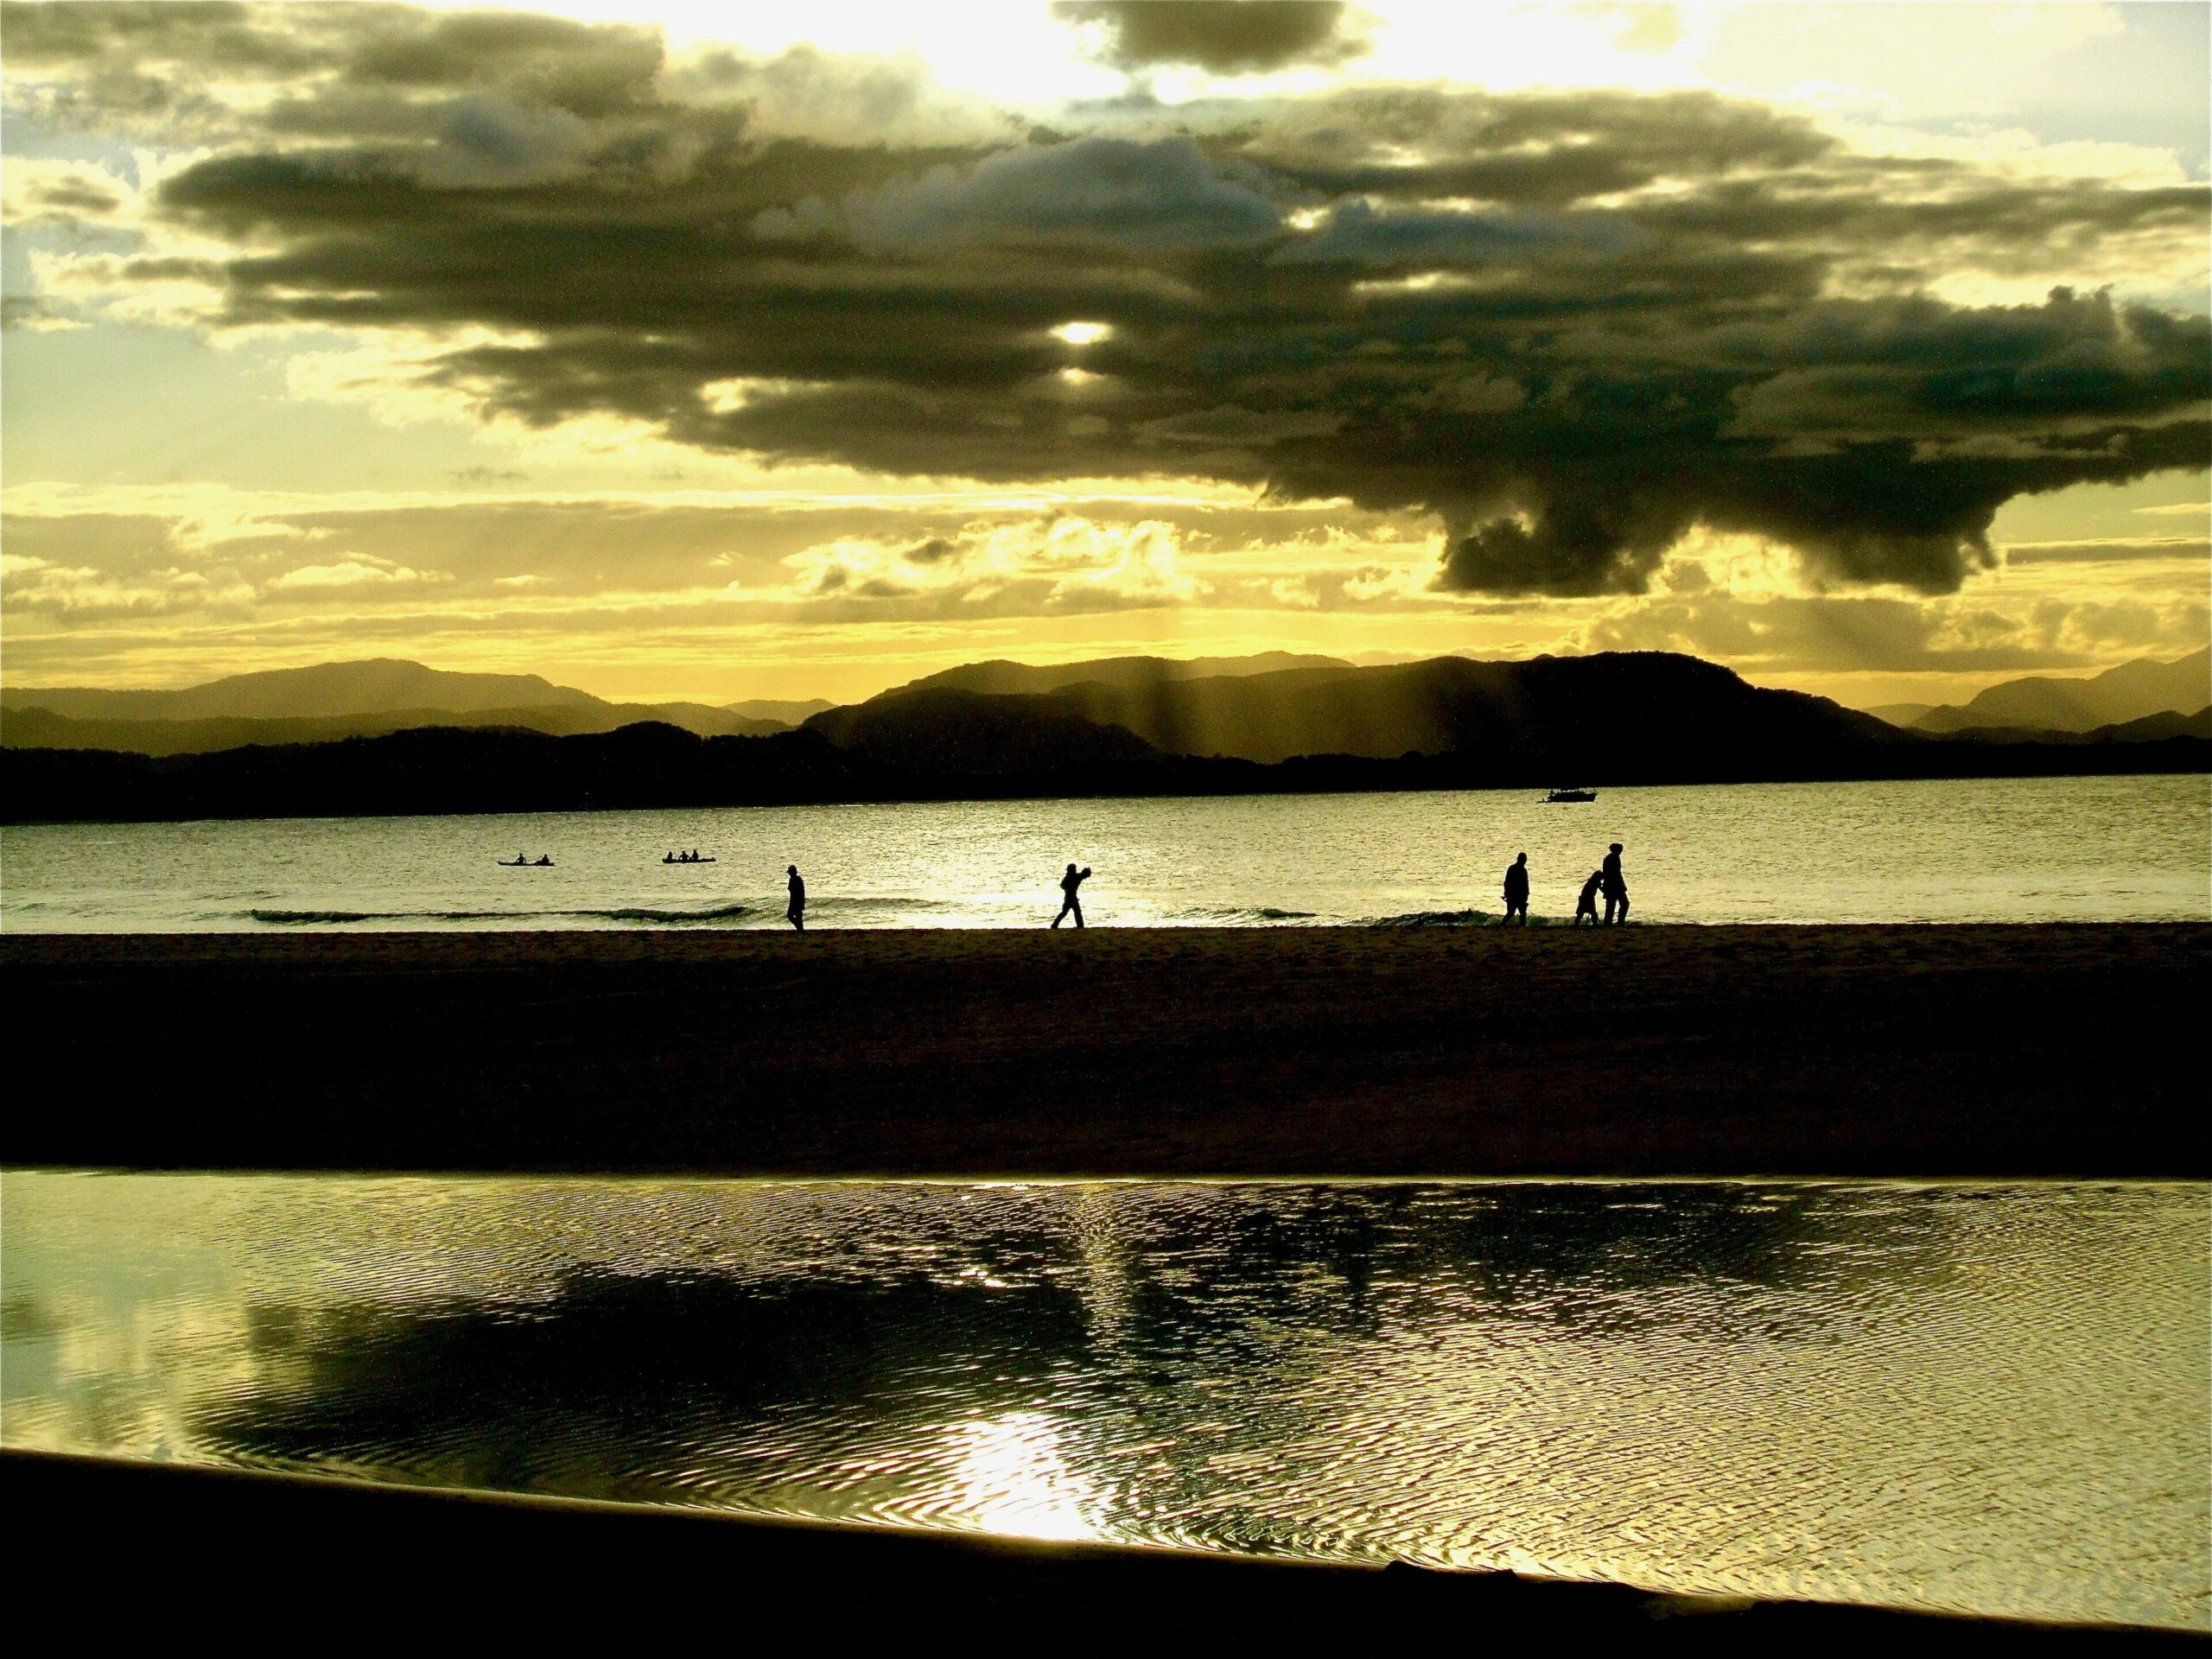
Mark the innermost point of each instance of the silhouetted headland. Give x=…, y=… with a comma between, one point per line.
x=1967, y=1051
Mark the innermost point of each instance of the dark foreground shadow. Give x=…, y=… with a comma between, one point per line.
x=203, y=1547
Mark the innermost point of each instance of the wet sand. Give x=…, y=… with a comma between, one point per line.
x=1976, y=1050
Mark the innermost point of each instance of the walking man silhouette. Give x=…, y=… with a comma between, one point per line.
x=1070, y=904
x=795, y=912
x=1616, y=887
x=1517, y=889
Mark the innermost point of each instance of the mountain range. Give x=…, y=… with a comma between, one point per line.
x=2133, y=691
x=1127, y=727
x=995, y=718
x=332, y=701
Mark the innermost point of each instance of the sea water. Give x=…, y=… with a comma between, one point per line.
x=2012, y=849
x=1988, y=1397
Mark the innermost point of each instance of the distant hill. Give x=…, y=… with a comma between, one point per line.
x=379, y=685
x=34, y=727
x=2151, y=728
x=936, y=731
x=333, y=700
x=2155, y=728
x=1634, y=707
x=783, y=711
x=1899, y=713
x=2046, y=702
x=441, y=769
x=1005, y=678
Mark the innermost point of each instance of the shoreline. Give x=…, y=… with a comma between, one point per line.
x=112, y=787
x=1791, y=1051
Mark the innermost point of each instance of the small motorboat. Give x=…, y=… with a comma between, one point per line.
x=1565, y=797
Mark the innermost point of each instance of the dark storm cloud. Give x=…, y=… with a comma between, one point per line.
x=1226, y=37
x=1087, y=191
x=1573, y=327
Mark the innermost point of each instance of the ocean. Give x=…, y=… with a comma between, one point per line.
x=2000, y=850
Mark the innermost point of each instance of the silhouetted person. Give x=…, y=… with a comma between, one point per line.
x=1587, y=904
x=1517, y=889
x=1616, y=887
x=795, y=912
x=544, y=860
x=1070, y=904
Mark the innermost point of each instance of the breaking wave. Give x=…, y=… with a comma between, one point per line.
x=711, y=913
x=630, y=913
x=1458, y=919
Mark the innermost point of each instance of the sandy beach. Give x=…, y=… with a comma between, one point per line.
x=1971, y=1051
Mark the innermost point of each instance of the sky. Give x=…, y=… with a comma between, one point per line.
x=724, y=350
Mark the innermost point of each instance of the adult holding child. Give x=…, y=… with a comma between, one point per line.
x=1586, y=903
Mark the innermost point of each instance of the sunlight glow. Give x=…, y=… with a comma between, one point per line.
x=1082, y=333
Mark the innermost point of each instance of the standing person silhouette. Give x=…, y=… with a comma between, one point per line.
x=795, y=912
x=1517, y=889
x=1616, y=885
x=1070, y=904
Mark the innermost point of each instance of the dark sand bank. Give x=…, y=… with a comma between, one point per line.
x=260, y=1545
x=1983, y=1051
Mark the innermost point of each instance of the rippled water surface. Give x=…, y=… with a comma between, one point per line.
x=1986, y=1398
x=2011, y=849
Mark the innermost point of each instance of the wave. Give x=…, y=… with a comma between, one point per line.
x=326, y=918
x=1457, y=918
x=712, y=913
x=1236, y=915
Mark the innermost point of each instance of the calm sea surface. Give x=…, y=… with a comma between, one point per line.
x=1991, y=1398
x=2021, y=849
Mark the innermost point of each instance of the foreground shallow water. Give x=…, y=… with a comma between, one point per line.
x=1986, y=1398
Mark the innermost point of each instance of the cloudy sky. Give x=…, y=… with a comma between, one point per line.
x=736, y=350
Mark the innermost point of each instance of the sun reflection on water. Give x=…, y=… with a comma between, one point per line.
x=1010, y=1476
